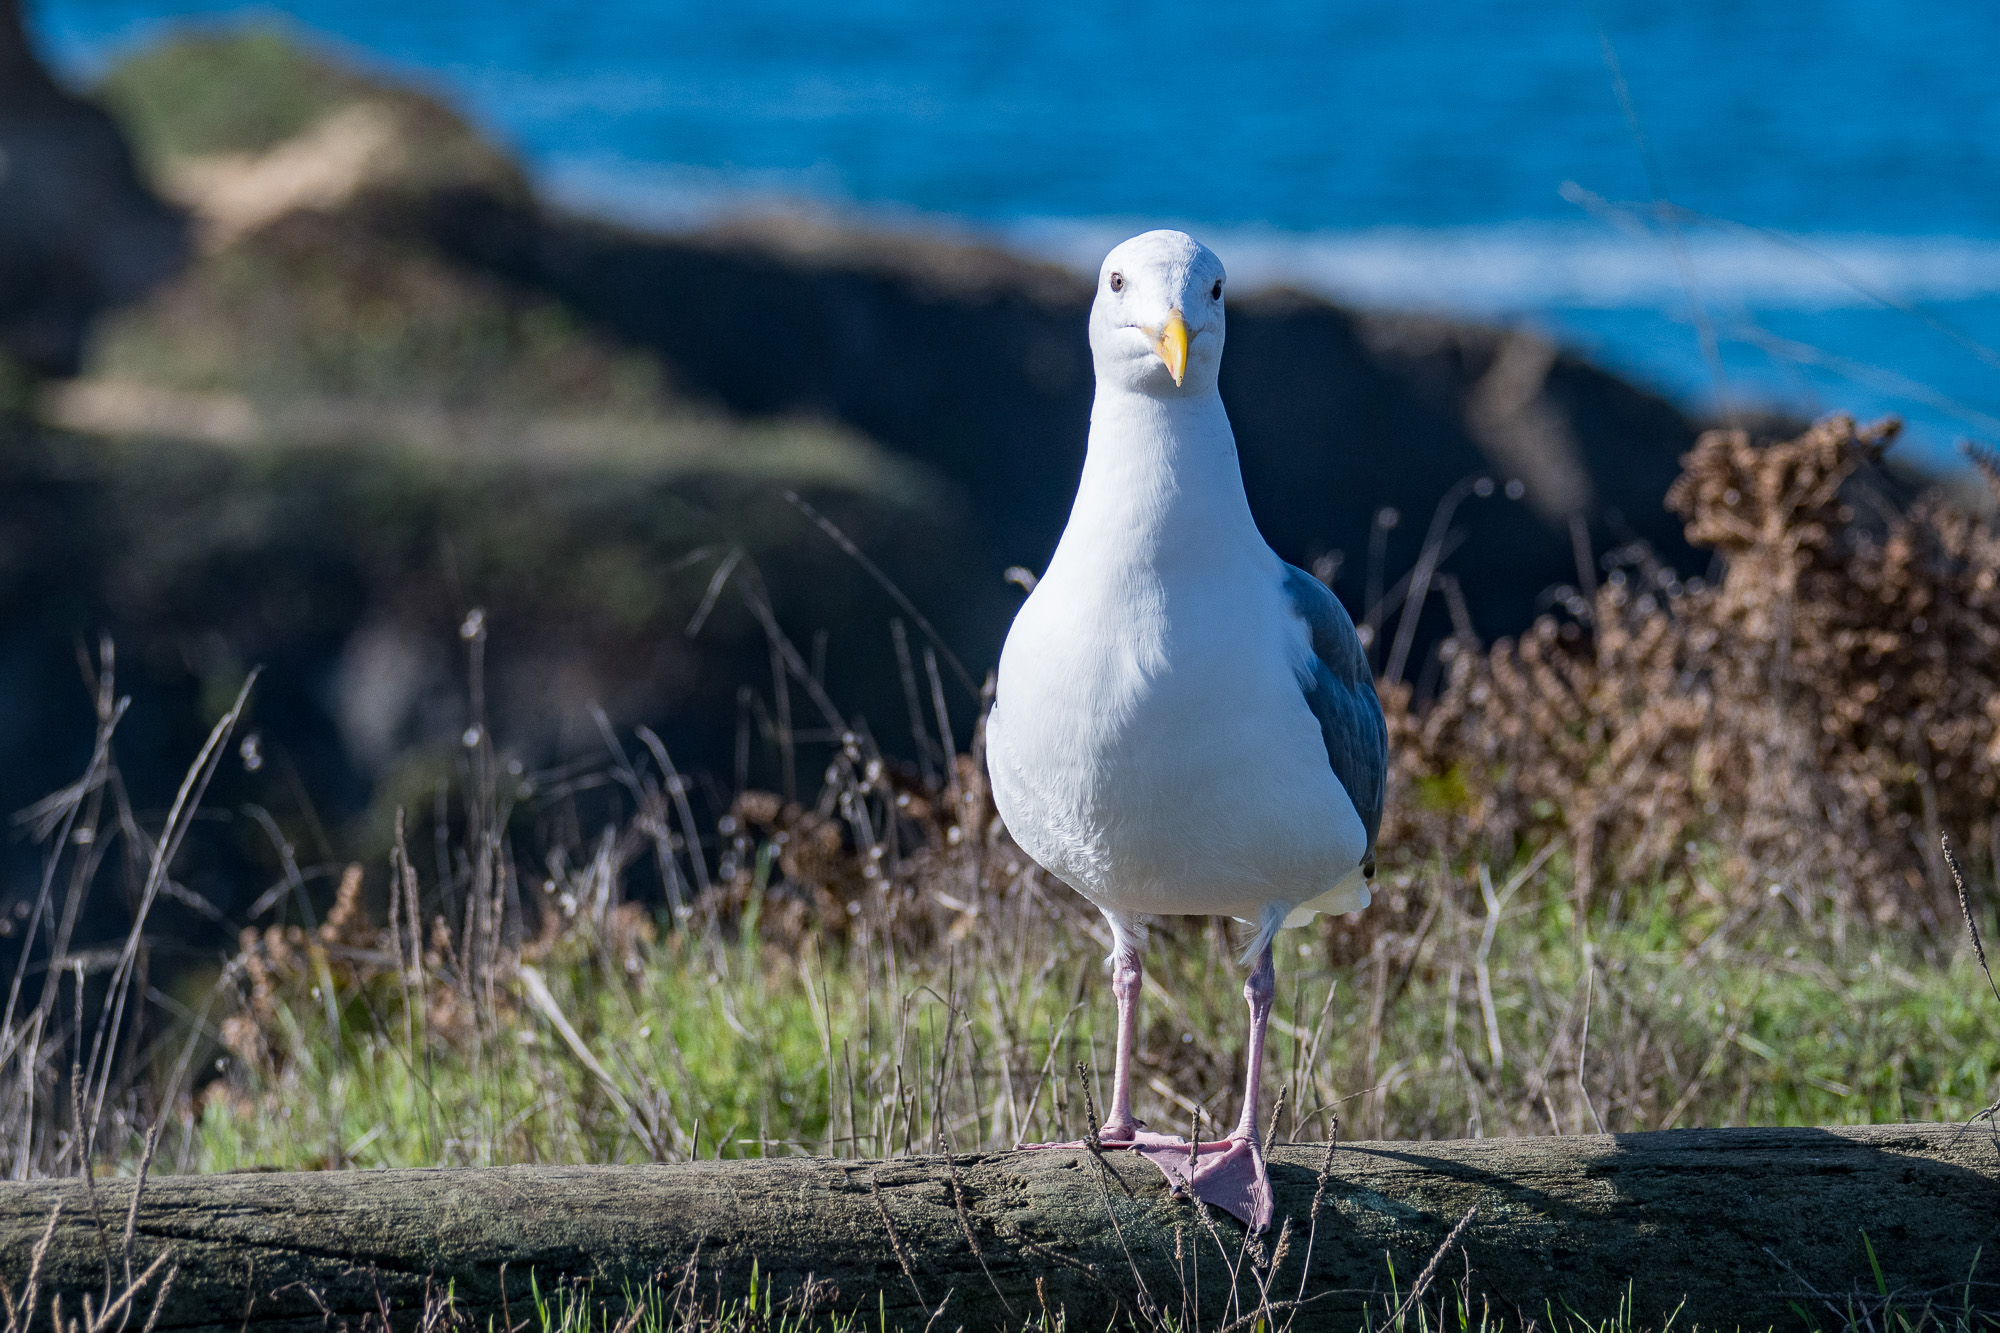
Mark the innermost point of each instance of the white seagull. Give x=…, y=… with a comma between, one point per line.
x=1185, y=724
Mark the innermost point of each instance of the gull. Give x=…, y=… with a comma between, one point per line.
x=1183, y=723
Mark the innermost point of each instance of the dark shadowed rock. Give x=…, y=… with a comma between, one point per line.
x=79, y=232
x=976, y=362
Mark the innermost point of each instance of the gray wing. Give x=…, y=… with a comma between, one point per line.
x=1342, y=697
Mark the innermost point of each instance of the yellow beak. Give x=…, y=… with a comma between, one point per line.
x=1172, y=345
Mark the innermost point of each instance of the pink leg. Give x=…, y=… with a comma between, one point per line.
x=1230, y=1173
x=1257, y=991
x=1120, y=1129
x=1127, y=976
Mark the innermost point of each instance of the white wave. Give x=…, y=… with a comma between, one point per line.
x=1528, y=267
x=1489, y=270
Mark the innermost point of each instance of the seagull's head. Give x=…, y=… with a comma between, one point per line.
x=1156, y=324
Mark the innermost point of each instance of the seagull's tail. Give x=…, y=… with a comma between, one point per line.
x=1269, y=923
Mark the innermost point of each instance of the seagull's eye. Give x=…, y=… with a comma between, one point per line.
x=1118, y=282
x=1216, y=293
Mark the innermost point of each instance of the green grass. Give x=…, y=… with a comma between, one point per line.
x=205, y=92
x=324, y=312
x=754, y=1042
x=224, y=91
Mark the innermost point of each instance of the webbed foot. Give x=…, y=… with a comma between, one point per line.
x=1228, y=1173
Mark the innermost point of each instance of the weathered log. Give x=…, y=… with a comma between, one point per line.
x=1731, y=1226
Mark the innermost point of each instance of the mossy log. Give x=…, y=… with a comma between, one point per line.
x=1730, y=1226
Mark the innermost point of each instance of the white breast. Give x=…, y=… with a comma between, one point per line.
x=1151, y=743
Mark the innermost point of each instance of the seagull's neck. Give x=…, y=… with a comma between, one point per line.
x=1161, y=483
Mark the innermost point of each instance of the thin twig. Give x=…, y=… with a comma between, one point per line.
x=972, y=1238
x=124, y=1298
x=888, y=585
x=160, y=1300
x=1277, y=1109
x=1992, y=1110
x=895, y=1241
x=1431, y=1268
x=1319, y=1199
x=1148, y=1308
x=1965, y=907
x=31, y=1294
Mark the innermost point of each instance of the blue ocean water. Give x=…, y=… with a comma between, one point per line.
x=1834, y=169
